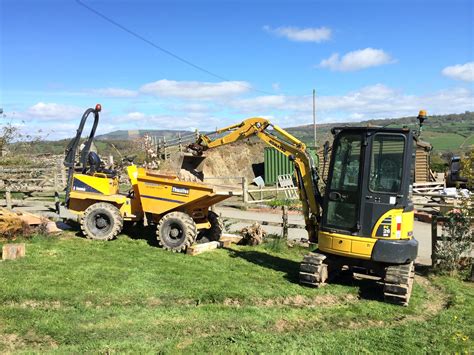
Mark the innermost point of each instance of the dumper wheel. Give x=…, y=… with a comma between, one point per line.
x=101, y=221
x=176, y=231
x=217, y=227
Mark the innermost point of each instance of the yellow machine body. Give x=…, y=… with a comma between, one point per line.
x=394, y=225
x=154, y=193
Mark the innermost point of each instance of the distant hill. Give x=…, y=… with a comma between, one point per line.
x=453, y=132
x=133, y=134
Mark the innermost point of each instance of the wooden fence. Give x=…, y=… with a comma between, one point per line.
x=165, y=147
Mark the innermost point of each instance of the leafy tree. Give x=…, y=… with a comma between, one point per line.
x=456, y=240
x=467, y=169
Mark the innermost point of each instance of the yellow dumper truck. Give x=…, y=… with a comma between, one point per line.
x=180, y=210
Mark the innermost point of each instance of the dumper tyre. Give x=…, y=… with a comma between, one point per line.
x=101, y=221
x=176, y=231
x=217, y=227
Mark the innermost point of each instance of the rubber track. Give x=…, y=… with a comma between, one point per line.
x=398, y=283
x=313, y=270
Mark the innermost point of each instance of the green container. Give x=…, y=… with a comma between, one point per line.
x=275, y=163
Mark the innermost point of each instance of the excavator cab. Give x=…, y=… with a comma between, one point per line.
x=368, y=216
x=367, y=208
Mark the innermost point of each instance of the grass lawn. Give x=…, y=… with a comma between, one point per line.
x=74, y=295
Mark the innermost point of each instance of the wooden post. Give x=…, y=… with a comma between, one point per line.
x=13, y=251
x=158, y=148
x=111, y=161
x=62, y=172
x=179, y=142
x=261, y=193
x=245, y=190
x=8, y=198
x=164, y=148
x=434, y=238
x=284, y=216
x=56, y=180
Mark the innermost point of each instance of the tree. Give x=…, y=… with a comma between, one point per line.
x=467, y=169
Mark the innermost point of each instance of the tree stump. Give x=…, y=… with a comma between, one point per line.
x=13, y=251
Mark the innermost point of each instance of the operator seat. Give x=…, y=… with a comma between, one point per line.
x=96, y=166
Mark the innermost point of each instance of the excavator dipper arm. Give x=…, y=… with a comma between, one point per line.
x=306, y=173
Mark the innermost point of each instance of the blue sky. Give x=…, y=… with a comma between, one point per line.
x=366, y=59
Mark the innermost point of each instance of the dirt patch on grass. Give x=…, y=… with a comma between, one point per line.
x=34, y=304
x=294, y=301
x=435, y=303
x=11, y=343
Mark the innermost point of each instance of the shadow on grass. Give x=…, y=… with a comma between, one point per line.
x=368, y=289
x=139, y=231
x=289, y=267
x=132, y=230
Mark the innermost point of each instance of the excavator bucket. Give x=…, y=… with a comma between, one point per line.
x=190, y=167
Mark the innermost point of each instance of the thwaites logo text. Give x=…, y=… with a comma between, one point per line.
x=180, y=190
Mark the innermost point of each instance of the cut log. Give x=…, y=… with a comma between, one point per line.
x=201, y=248
x=253, y=235
x=13, y=251
x=228, y=239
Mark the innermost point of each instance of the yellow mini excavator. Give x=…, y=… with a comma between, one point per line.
x=365, y=218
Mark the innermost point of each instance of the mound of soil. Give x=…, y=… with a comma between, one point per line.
x=224, y=165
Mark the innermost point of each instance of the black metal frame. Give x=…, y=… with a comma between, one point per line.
x=72, y=147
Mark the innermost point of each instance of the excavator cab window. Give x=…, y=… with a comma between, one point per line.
x=386, y=163
x=343, y=194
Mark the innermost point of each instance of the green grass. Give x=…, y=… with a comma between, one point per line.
x=74, y=295
x=444, y=141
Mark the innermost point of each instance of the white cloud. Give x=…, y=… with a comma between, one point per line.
x=309, y=34
x=463, y=72
x=191, y=121
x=113, y=92
x=53, y=111
x=357, y=60
x=375, y=101
x=195, y=89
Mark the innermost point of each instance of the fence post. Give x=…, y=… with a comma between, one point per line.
x=179, y=142
x=284, y=217
x=8, y=198
x=111, y=161
x=164, y=148
x=245, y=190
x=62, y=172
x=434, y=238
x=56, y=180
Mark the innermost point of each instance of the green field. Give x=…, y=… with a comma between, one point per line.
x=74, y=295
x=444, y=141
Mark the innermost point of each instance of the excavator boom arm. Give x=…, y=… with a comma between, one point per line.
x=290, y=146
